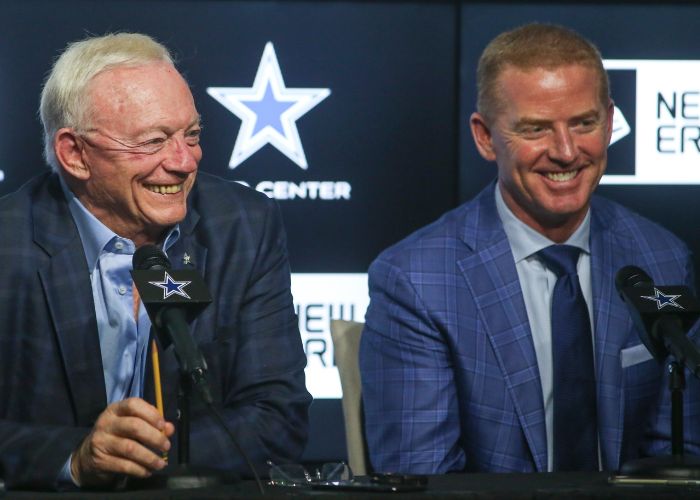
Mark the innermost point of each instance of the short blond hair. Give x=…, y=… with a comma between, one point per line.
x=64, y=100
x=532, y=46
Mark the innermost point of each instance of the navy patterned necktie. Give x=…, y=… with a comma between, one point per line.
x=574, y=390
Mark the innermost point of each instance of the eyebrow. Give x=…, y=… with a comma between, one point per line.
x=197, y=121
x=540, y=121
x=531, y=121
x=594, y=113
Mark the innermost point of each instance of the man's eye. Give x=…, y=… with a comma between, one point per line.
x=149, y=146
x=532, y=131
x=587, y=124
x=192, y=136
x=155, y=141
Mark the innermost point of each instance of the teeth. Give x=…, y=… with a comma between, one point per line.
x=561, y=176
x=169, y=189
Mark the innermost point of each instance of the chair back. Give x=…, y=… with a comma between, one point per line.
x=346, y=346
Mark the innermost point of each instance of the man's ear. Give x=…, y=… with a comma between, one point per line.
x=68, y=148
x=482, y=136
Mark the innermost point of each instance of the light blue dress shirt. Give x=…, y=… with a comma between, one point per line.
x=537, y=284
x=123, y=340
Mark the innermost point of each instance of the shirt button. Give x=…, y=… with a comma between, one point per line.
x=119, y=245
x=122, y=290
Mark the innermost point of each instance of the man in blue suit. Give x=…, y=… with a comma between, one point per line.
x=458, y=357
x=122, y=138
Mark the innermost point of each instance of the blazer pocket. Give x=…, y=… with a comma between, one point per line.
x=634, y=355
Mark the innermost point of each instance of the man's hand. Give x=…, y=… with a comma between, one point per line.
x=128, y=438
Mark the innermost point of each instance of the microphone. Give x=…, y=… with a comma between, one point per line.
x=662, y=316
x=173, y=298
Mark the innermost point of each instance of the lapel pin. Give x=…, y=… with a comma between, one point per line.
x=186, y=259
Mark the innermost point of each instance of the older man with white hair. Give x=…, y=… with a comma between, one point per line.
x=122, y=137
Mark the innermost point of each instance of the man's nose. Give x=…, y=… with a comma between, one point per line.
x=180, y=156
x=563, y=148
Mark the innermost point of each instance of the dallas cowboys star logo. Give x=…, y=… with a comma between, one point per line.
x=171, y=287
x=662, y=300
x=268, y=111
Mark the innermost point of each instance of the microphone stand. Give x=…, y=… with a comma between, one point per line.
x=184, y=393
x=676, y=466
x=183, y=475
x=170, y=317
x=676, y=383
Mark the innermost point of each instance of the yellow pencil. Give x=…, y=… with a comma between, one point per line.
x=156, y=380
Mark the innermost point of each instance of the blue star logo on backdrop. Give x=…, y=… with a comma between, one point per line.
x=171, y=287
x=662, y=300
x=268, y=111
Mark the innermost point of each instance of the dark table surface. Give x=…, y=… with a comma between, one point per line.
x=574, y=485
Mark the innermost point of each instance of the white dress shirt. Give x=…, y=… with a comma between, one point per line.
x=537, y=284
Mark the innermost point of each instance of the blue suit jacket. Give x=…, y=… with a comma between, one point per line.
x=51, y=382
x=449, y=373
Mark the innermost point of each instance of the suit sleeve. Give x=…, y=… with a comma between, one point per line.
x=31, y=456
x=408, y=387
x=261, y=366
x=39, y=428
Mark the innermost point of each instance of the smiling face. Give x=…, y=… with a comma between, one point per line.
x=138, y=157
x=549, y=140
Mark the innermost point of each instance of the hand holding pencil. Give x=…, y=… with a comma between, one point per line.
x=122, y=441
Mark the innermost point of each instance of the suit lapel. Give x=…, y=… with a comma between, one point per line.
x=493, y=281
x=610, y=251
x=186, y=252
x=66, y=282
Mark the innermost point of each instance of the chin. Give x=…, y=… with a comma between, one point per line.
x=564, y=214
x=571, y=203
x=168, y=219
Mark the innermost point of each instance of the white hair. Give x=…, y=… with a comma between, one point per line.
x=64, y=100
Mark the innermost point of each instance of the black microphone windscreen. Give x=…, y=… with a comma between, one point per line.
x=632, y=276
x=150, y=257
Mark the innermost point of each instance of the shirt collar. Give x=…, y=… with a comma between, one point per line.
x=525, y=241
x=97, y=237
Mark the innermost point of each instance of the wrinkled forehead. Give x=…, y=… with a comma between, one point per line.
x=148, y=90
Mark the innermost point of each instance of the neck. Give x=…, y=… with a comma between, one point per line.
x=559, y=234
x=556, y=227
x=139, y=235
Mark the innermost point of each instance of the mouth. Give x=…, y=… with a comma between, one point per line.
x=164, y=188
x=562, y=176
